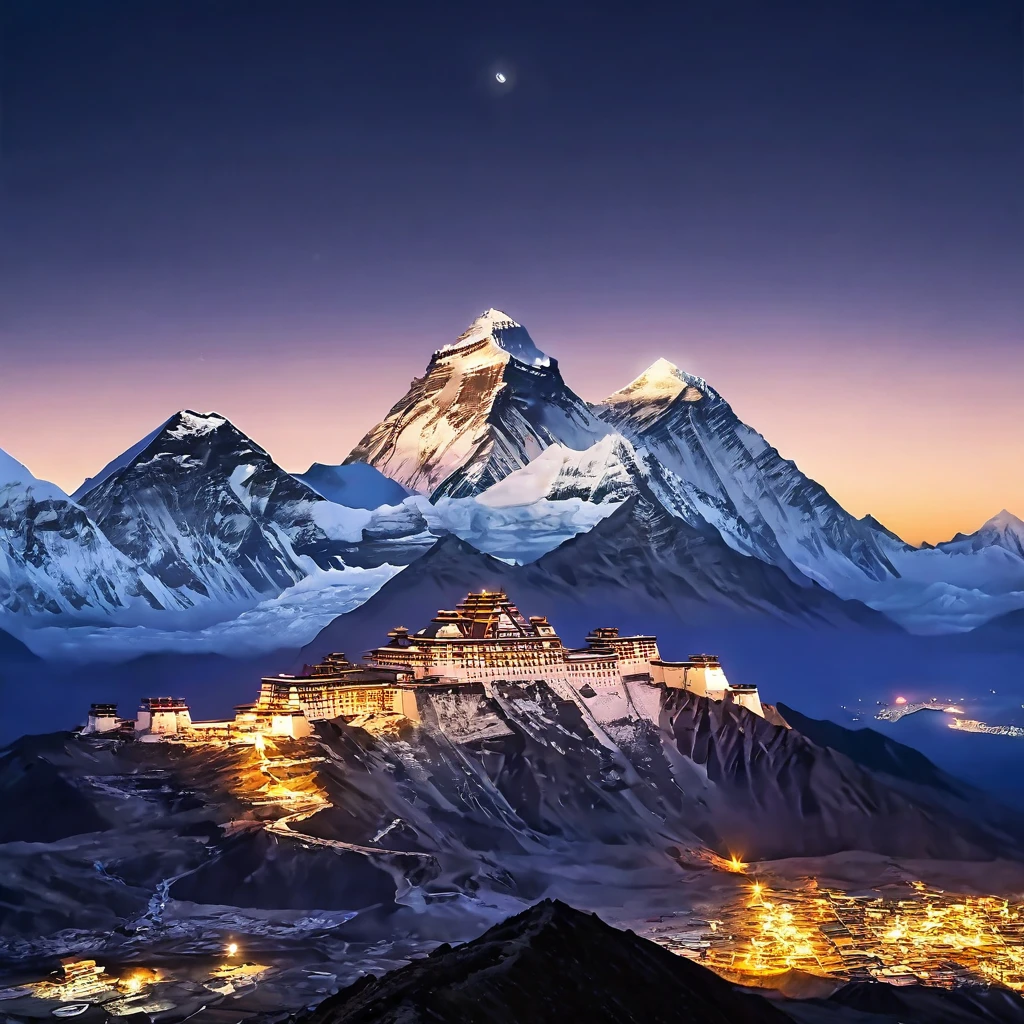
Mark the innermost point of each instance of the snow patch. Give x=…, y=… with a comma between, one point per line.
x=194, y=424
x=339, y=522
x=508, y=335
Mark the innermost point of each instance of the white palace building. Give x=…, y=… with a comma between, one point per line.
x=482, y=641
x=485, y=639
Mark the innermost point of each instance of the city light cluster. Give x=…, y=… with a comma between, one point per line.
x=780, y=939
x=907, y=934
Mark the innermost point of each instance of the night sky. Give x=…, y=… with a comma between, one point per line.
x=277, y=210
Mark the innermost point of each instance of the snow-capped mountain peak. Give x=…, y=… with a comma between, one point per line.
x=181, y=425
x=193, y=424
x=13, y=472
x=660, y=383
x=208, y=512
x=1006, y=521
x=488, y=404
x=509, y=336
x=1004, y=530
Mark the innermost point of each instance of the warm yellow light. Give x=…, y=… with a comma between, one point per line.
x=232, y=948
x=735, y=864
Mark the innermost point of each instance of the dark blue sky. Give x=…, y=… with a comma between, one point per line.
x=735, y=185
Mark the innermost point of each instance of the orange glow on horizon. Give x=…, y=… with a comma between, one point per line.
x=877, y=430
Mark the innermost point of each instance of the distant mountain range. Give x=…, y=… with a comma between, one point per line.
x=657, y=495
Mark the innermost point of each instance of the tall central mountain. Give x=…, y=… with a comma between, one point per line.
x=207, y=511
x=487, y=406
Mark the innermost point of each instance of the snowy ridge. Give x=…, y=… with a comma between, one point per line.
x=55, y=561
x=207, y=511
x=1004, y=530
x=703, y=460
x=603, y=472
x=14, y=474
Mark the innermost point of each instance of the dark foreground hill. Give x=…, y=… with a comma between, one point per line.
x=549, y=965
x=555, y=965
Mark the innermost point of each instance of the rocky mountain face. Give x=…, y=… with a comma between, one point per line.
x=210, y=514
x=487, y=406
x=640, y=568
x=489, y=801
x=711, y=773
x=665, y=563
x=761, y=503
x=56, y=562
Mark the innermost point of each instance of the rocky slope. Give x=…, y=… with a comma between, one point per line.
x=760, y=502
x=56, y=562
x=640, y=568
x=549, y=964
x=487, y=802
x=487, y=405
x=552, y=964
x=208, y=512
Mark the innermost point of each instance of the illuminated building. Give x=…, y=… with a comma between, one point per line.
x=78, y=979
x=162, y=716
x=102, y=718
x=337, y=688
x=704, y=676
x=485, y=639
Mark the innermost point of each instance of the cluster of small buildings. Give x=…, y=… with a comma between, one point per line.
x=482, y=641
x=77, y=980
x=904, y=935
